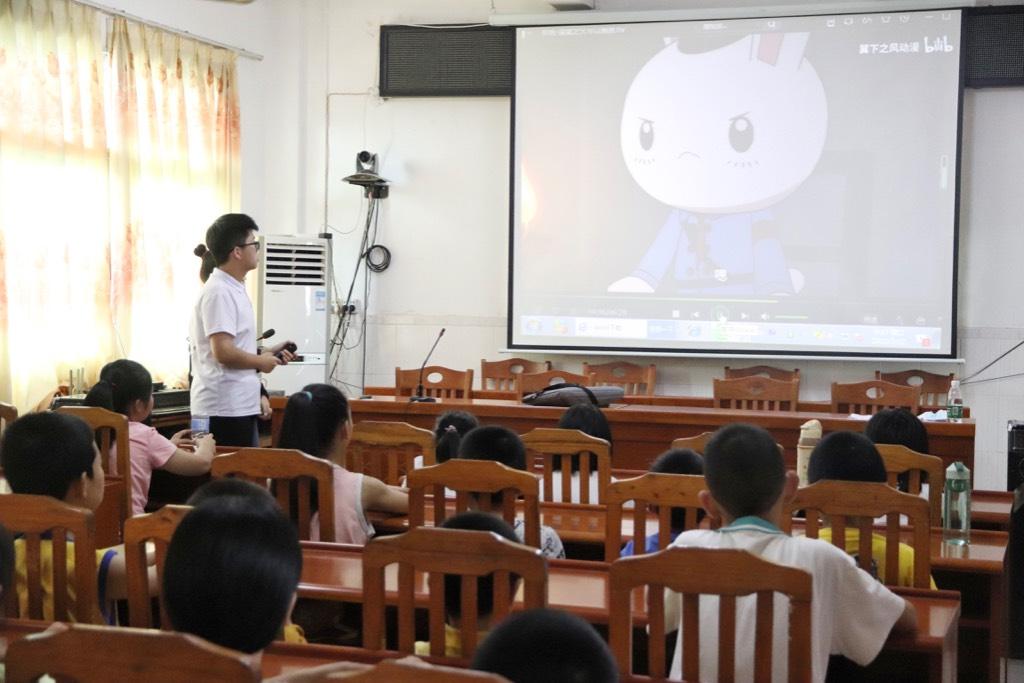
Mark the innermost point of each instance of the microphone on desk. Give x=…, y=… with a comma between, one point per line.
x=419, y=397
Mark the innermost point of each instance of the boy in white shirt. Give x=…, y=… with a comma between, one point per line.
x=851, y=613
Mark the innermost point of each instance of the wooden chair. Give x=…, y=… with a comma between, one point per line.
x=470, y=554
x=867, y=398
x=637, y=380
x=694, y=443
x=756, y=393
x=545, y=444
x=864, y=501
x=933, y=387
x=529, y=382
x=735, y=573
x=107, y=424
x=36, y=520
x=468, y=477
x=449, y=384
x=401, y=671
x=288, y=471
x=901, y=460
x=387, y=450
x=500, y=375
x=97, y=654
x=8, y=414
x=763, y=371
x=663, y=491
x=156, y=528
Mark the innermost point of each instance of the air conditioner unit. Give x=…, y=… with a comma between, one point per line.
x=294, y=299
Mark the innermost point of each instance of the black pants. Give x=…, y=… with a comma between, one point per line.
x=235, y=431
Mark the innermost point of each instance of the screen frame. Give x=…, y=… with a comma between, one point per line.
x=949, y=356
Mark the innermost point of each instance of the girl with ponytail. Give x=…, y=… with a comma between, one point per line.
x=317, y=422
x=126, y=387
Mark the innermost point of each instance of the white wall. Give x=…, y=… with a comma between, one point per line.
x=446, y=219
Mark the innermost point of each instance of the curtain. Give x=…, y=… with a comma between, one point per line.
x=114, y=157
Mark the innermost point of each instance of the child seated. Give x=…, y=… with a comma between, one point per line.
x=847, y=456
x=672, y=461
x=546, y=646
x=504, y=446
x=900, y=427
x=587, y=418
x=448, y=432
x=54, y=454
x=127, y=388
x=317, y=421
x=852, y=614
x=470, y=521
x=232, y=570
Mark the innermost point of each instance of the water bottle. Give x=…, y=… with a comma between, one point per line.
x=200, y=426
x=956, y=505
x=955, y=402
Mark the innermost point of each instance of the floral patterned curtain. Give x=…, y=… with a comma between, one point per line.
x=114, y=157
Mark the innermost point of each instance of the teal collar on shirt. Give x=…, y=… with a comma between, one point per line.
x=744, y=524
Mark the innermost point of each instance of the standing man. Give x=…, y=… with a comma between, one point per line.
x=226, y=385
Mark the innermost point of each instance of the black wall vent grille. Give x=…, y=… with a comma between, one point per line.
x=446, y=61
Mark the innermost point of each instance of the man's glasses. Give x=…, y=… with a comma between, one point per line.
x=243, y=245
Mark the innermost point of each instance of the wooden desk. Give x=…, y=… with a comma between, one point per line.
x=991, y=509
x=333, y=571
x=641, y=432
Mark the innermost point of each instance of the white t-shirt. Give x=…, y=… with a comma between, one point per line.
x=851, y=613
x=223, y=306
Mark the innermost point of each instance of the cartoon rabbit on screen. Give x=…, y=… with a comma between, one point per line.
x=722, y=136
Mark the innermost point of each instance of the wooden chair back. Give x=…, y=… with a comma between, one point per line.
x=763, y=371
x=97, y=654
x=156, y=528
x=933, y=387
x=861, y=502
x=401, y=671
x=438, y=381
x=500, y=375
x=694, y=443
x=8, y=414
x=736, y=573
x=387, y=450
x=529, y=382
x=38, y=522
x=756, y=393
x=867, y=398
x=111, y=429
x=901, y=460
x=437, y=552
x=545, y=445
x=479, y=482
x=288, y=472
x=663, y=492
x=637, y=380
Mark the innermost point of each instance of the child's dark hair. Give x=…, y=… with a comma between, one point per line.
x=226, y=233
x=231, y=487
x=476, y=521
x=546, y=646
x=44, y=453
x=122, y=382
x=448, y=432
x=494, y=443
x=312, y=418
x=901, y=427
x=232, y=569
x=845, y=456
x=679, y=461
x=587, y=418
x=207, y=264
x=744, y=469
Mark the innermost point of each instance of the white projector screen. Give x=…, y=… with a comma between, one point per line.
x=762, y=186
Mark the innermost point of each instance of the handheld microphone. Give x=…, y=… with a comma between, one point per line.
x=419, y=397
x=266, y=334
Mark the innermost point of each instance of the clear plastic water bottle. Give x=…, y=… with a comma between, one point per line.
x=200, y=426
x=955, y=402
x=956, y=505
